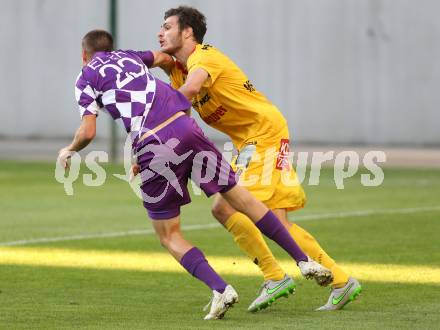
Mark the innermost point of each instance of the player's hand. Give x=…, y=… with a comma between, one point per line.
x=135, y=169
x=63, y=157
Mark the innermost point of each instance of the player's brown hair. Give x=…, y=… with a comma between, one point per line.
x=97, y=41
x=189, y=17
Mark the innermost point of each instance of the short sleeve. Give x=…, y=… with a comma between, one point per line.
x=208, y=61
x=86, y=97
x=146, y=56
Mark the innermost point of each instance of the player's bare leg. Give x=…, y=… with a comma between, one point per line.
x=247, y=236
x=242, y=200
x=193, y=260
x=221, y=210
x=171, y=237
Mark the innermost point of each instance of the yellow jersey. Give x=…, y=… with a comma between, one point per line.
x=228, y=101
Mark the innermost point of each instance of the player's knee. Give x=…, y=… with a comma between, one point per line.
x=165, y=241
x=220, y=212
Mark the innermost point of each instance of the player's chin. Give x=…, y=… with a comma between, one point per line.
x=167, y=50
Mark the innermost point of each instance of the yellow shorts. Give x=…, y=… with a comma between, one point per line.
x=265, y=170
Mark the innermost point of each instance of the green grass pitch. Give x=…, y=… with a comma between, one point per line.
x=387, y=236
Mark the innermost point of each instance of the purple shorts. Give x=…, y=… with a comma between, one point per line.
x=170, y=157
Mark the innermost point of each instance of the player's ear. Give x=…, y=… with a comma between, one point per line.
x=188, y=32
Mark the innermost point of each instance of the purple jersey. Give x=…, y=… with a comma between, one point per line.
x=120, y=83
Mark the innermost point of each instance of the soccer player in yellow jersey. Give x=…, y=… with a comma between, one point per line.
x=226, y=100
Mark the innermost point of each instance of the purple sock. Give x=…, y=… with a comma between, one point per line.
x=195, y=263
x=271, y=226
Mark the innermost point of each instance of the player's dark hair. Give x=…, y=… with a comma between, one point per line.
x=189, y=17
x=97, y=41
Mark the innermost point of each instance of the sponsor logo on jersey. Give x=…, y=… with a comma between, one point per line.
x=201, y=102
x=215, y=116
x=282, y=162
x=206, y=47
x=248, y=85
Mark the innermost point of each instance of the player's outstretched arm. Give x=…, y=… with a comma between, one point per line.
x=84, y=135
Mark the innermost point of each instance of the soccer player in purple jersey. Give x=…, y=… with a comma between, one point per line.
x=151, y=111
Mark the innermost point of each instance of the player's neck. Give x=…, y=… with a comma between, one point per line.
x=183, y=53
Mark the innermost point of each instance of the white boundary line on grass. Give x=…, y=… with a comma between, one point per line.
x=299, y=218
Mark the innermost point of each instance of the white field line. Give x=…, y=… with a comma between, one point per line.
x=299, y=218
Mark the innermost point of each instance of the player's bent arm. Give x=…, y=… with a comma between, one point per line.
x=85, y=133
x=163, y=61
x=194, y=83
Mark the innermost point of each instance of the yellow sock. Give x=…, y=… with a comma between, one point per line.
x=312, y=248
x=250, y=240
